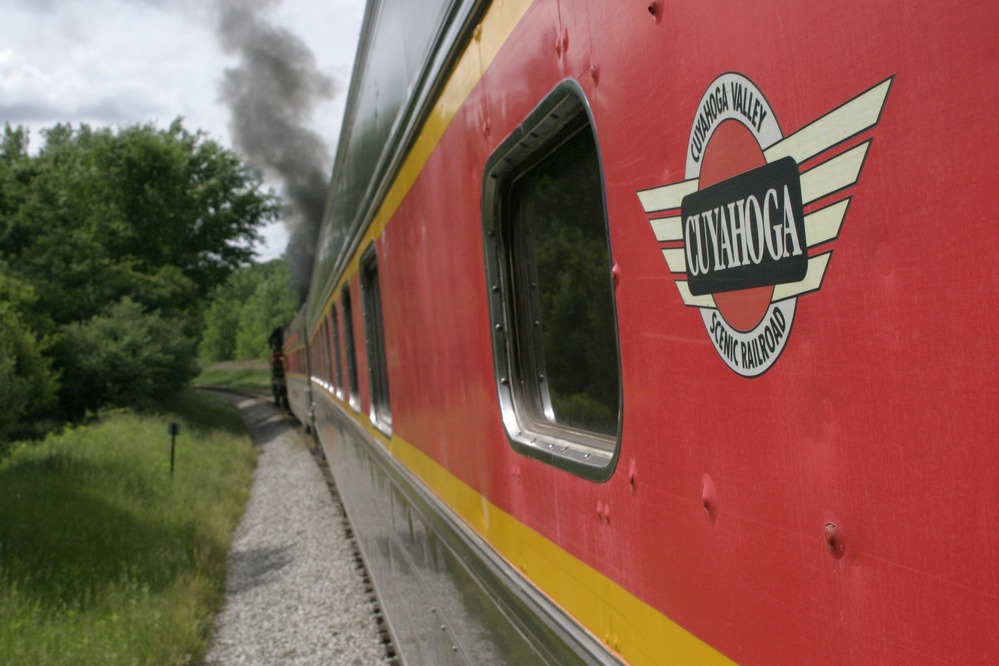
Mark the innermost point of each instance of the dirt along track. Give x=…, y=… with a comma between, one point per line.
x=297, y=591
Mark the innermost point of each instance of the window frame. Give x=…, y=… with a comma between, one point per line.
x=518, y=350
x=347, y=309
x=380, y=409
x=335, y=346
x=324, y=356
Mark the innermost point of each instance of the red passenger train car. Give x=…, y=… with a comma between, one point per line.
x=661, y=332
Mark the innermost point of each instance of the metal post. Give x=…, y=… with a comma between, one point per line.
x=174, y=431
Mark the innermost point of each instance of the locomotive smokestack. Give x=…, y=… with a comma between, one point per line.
x=270, y=95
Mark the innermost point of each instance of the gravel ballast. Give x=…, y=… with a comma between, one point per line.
x=295, y=593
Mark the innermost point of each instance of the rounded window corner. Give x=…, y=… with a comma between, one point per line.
x=551, y=297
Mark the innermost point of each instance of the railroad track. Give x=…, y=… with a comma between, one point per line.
x=298, y=590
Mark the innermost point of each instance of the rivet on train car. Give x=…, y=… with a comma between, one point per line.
x=504, y=381
x=487, y=129
x=477, y=33
x=496, y=287
x=616, y=274
x=709, y=499
x=833, y=534
x=562, y=43
x=499, y=327
x=656, y=10
x=595, y=73
x=633, y=476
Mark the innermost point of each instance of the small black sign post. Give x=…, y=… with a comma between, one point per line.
x=174, y=430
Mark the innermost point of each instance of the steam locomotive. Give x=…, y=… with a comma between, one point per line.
x=663, y=332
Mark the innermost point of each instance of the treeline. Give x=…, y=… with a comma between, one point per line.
x=113, y=243
x=244, y=311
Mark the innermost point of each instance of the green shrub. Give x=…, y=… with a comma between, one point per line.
x=123, y=357
x=27, y=383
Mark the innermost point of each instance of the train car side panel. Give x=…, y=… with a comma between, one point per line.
x=804, y=455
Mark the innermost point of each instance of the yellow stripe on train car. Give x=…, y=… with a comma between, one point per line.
x=626, y=624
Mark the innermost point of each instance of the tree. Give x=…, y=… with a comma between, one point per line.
x=27, y=383
x=219, y=340
x=125, y=356
x=101, y=214
x=245, y=310
x=121, y=235
x=272, y=304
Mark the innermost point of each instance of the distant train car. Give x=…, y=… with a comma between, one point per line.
x=662, y=332
x=295, y=358
x=279, y=385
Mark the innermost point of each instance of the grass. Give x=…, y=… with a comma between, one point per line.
x=249, y=375
x=106, y=559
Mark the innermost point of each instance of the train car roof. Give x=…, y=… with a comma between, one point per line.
x=402, y=58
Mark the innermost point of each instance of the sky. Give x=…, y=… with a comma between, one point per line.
x=122, y=62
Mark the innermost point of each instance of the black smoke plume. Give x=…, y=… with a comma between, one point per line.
x=270, y=95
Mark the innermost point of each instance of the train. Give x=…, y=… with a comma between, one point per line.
x=663, y=332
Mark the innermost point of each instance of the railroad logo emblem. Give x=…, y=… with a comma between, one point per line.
x=748, y=229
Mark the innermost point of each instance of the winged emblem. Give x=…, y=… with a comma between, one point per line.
x=732, y=235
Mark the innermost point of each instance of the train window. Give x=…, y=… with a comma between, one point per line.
x=348, y=335
x=551, y=293
x=328, y=345
x=328, y=355
x=374, y=331
x=322, y=341
x=337, y=362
